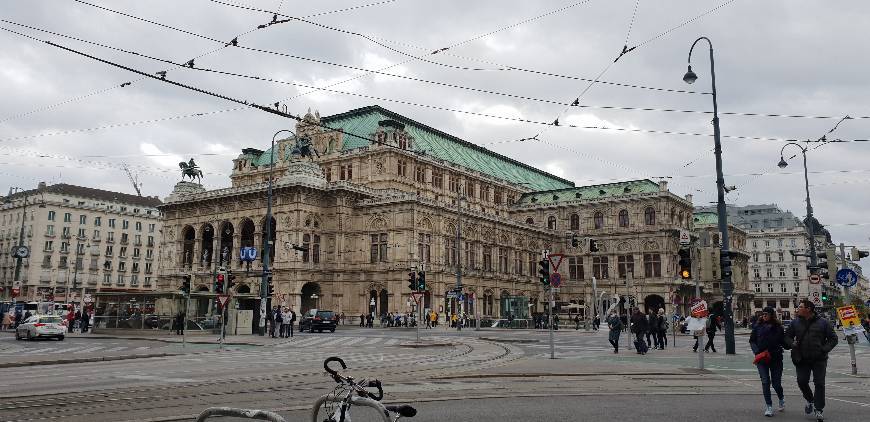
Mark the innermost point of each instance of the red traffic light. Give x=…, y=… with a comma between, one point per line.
x=220, y=278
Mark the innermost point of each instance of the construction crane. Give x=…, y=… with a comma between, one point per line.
x=133, y=178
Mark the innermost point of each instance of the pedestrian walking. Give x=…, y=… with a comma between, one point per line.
x=596, y=322
x=576, y=322
x=614, y=324
x=293, y=320
x=639, y=326
x=663, y=328
x=556, y=322
x=86, y=321
x=811, y=338
x=277, y=321
x=713, y=325
x=362, y=320
x=285, y=323
x=179, y=323
x=7, y=320
x=767, y=340
x=650, y=332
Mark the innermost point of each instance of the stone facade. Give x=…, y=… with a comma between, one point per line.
x=81, y=240
x=390, y=197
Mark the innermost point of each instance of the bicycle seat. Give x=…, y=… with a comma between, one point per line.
x=404, y=410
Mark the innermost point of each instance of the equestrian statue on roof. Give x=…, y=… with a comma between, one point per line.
x=191, y=170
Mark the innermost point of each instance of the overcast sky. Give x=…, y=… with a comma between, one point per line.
x=794, y=57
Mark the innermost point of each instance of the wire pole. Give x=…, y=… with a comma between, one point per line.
x=851, y=339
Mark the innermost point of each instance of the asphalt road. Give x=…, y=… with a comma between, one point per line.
x=508, y=371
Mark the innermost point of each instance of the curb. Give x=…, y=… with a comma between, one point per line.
x=163, y=340
x=84, y=360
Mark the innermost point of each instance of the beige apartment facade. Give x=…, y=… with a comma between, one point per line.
x=82, y=242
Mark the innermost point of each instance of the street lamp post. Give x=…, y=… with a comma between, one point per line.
x=810, y=221
x=264, y=281
x=725, y=253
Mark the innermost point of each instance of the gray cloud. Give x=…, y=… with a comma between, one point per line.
x=784, y=57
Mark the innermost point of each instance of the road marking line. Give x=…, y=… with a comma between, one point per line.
x=851, y=402
x=372, y=341
x=89, y=350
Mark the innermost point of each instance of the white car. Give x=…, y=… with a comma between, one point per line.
x=41, y=326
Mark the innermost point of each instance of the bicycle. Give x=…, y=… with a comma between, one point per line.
x=351, y=392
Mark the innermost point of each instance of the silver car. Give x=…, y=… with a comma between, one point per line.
x=41, y=326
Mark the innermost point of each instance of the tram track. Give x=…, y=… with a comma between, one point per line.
x=98, y=404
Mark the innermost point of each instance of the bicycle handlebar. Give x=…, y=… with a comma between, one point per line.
x=332, y=372
x=376, y=384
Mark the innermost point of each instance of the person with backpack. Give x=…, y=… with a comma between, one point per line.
x=713, y=325
x=767, y=341
x=810, y=338
x=614, y=324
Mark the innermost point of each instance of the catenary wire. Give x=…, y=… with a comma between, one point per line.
x=444, y=84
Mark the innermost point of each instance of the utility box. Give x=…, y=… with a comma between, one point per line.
x=240, y=322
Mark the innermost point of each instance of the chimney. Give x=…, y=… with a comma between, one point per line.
x=689, y=197
x=40, y=186
x=663, y=185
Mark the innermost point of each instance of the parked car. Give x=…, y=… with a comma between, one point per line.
x=41, y=326
x=316, y=319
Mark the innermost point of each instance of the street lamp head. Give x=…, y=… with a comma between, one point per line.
x=782, y=163
x=690, y=77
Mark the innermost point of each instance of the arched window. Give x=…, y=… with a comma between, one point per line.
x=598, y=220
x=551, y=222
x=623, y=218
x=575, y=222
x=530, y=221
x=649, y=216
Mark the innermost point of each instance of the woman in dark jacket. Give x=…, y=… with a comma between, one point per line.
x=768, y=335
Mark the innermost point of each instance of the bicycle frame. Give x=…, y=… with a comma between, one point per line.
x=353, y=401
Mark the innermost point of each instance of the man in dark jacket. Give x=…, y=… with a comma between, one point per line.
x=810, y=338
x=639, y=327
x=713, y=326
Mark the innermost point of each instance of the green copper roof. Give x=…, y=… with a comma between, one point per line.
x=592, y=192
x=364, y=122
x=265, y=158
x=705, y=219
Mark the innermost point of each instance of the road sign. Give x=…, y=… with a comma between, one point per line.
x=847, y=277
x=222, y=300
x=699, y=309
x=451, y=294
x=815, y=278
x=848, y=316
x=555, y=260
x=556, y=280
x=15, y=291
x=88, y=299
x=248, y=254
x=685, y=238
x=416, y=297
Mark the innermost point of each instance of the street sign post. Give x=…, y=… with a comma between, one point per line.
x=847, y=277
x=555, y=260
x=685, y=238
x=815, y=278
x=848, y=316
x=555, y=280
x=222, y=300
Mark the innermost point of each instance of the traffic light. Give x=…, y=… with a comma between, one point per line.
x=271, y=286
x=858, y=254
x=421, y=281
x=725, y=261
x=185, y=285
x=412, y=281
x=593, y=245
x=575, y=242
x=824, y=297
x=219, y=283
x=231, y=280
x=685, y=264
x=827, y=263
x=544, y=271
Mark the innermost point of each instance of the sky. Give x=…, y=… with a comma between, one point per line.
x=785, y=70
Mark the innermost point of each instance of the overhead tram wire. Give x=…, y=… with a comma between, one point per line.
x=69, y=100
x=412, y=57
x=203, y=91
x=435, y=107
x=444, y=84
